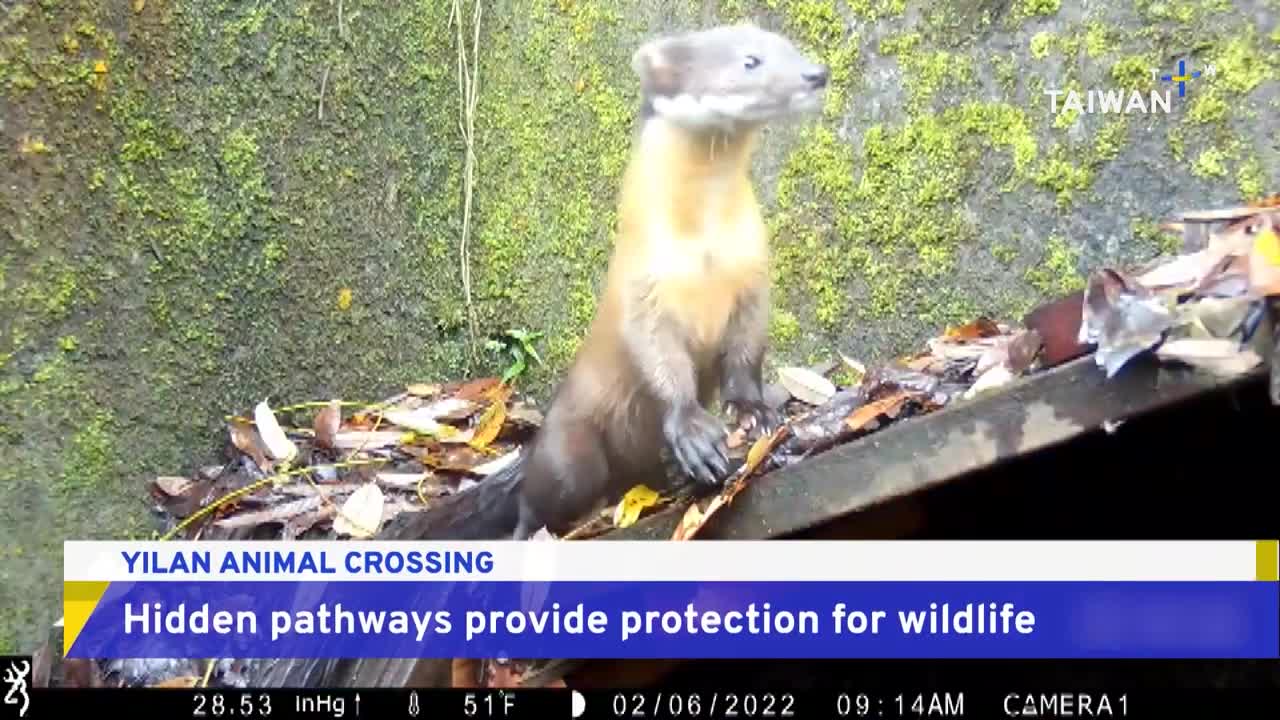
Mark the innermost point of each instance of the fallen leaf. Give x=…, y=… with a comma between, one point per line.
x=139, y=5
x=279, y=513
x=279, y=446
x=1222, y=357
x=1023, y=350
x=503, y=675
x=760, y=450
x=422, y=389
x=859, y=370
x=1264, y=263
x=991, y=379
x=247, y=441
x=806, y=385
x=525, y=414
x=326, y=424
x=172, y=485
x=1122, y=318
x=980, y=328
x=300, y=524
x=402, y=481
x=361, y=514
x=183, y=681
x=465, y=673
x=421, y=420
x=632, y=504
x=497, y=464
x=475, y=390
x=490, y=423
x=860, y=417
x=367, y=439
x=690, y=522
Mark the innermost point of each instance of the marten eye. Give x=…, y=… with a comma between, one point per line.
x=752, y=62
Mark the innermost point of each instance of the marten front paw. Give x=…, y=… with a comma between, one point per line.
x=698, y=441
x=756, y=417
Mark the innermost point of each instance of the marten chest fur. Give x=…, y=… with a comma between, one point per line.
x=691, y=232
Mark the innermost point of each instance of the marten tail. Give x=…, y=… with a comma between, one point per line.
x=489, y=510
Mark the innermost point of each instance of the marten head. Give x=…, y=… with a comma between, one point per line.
x=727, y=77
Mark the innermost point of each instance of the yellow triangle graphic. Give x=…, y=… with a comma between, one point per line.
x=79, y=598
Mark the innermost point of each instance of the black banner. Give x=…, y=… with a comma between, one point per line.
x=745, y=703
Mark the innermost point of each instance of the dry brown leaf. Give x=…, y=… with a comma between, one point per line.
x=806, y=385
x=689, y=523
x=174, y=485
x=476, y=390
x=887, y=405
x=760, y=450
x=422, y=389
x=525, y=414
x=465, y=673
x=367, y=439
x=497, y=464
x=503, y=675
x=491, y=422
x=980, y=328
x=247, y=441
x=182, y=681
x=326, y=424
x=299, y=524
x=361, y=514
x=1024, y=348
x=279, y=513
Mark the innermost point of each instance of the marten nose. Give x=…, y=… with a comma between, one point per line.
x=817, y=77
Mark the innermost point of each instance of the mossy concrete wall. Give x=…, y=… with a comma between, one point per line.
x=206, y=204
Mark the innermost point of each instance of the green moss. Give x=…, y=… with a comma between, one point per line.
x=1006, y=70
x=1149, y=233
x=900, y=43
x=1004, y=254
x=926, y=72
x=1058, y=272
x=1239, y=65
x=1041, y=44
x=1096, y=39
x=1251, y=179
x=901, y=221
x=91, y=458
x=1133, y=72
x=877, y=9
x=1207, y=106
x=1177, y=142
x=1023, y=9
x=1065, y=178
x=1211, y=163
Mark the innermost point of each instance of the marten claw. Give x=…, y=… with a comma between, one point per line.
x=764, y=420
x=698, y=443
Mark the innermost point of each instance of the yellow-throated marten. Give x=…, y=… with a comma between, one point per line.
x=684, y=314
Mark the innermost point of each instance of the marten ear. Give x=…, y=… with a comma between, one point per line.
x=659, y=64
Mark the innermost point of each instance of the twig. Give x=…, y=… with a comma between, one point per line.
x=324, y=82
x=468, y=79
x=342, y=32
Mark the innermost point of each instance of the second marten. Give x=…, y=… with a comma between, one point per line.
x=684, y=314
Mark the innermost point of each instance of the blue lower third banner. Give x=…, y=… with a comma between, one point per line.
x=665, y=619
